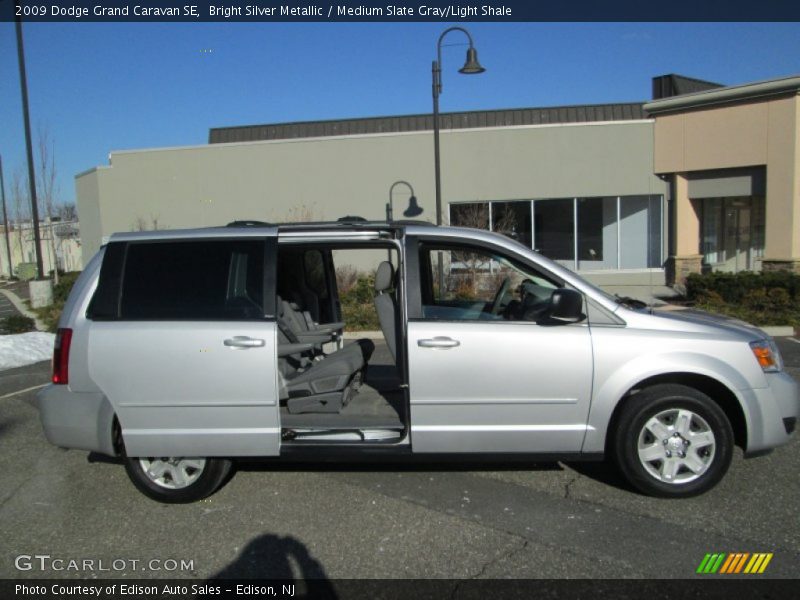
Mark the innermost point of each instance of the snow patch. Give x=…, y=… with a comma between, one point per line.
x=25, y=349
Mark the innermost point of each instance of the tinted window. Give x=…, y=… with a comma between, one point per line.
x=209, y=280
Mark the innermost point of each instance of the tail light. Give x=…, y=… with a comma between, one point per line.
x=61, y=356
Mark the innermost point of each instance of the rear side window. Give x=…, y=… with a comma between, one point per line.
x=204, y=280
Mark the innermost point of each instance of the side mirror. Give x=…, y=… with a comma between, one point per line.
x=566, y=305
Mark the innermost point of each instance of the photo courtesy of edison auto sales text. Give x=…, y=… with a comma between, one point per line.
x=129, y=589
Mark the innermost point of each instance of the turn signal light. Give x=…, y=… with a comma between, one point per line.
x=767, y=355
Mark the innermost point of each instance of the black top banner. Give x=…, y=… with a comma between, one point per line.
x=397, y=10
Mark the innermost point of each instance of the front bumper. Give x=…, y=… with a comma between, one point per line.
x=771, y=412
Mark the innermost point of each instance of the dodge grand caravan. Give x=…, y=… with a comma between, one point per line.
x=180, y=351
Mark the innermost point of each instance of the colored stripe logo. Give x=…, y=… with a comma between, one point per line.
x=734, y=563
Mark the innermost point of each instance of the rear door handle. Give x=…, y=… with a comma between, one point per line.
x=243, y=341
x=438, y=342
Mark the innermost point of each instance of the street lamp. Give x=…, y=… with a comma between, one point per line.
x=413, y=210
x=471, y=67
x=23, y=84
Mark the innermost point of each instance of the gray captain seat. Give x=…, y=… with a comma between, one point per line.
x=313, y=383
x=385, y=304
x=300, y=326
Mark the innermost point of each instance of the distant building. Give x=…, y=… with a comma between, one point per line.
x=60, y=244
x=702, y=177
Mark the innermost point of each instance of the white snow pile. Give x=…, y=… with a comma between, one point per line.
x=23, y=349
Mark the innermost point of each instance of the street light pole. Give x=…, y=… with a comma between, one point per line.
x=23, y=82
x=5, y=220
x=471, y=67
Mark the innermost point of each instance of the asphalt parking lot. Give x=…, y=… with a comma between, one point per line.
x=372, y=521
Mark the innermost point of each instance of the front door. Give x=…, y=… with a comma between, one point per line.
x=737, y=237
x=188, y=360
x=486, y=372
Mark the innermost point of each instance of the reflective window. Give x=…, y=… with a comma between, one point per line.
x=554, y=228
x=208, y=280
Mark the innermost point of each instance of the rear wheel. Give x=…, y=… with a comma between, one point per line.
x=177, y=479
x=673, y=441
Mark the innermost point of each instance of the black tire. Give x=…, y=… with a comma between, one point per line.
x=213, y=473
x=665, y=400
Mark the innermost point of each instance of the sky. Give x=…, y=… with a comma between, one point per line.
x=98, y=87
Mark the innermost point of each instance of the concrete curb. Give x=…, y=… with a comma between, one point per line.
x=778, y=330
x=20, y=306
x=357, y=335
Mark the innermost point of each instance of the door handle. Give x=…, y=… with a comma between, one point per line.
x=438, y=342
x=243, y=341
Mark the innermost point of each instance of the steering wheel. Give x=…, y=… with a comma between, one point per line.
x=498, y=298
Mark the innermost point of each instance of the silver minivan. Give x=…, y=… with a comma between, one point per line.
x=181, y=351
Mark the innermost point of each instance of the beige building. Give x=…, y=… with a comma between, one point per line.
x=732, y=157
x=704, y=177
x=60, y=244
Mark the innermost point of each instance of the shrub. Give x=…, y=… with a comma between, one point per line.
x=771, y=298
x=732, y=287
x=50, y=315
x=62, y=289
x=17, y=324
x=358, y=308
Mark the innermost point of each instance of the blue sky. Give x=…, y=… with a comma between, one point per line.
x=101, y=87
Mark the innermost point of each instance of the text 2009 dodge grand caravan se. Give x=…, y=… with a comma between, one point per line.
x=180, y=351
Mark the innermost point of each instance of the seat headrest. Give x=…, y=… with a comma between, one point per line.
x=384, y=276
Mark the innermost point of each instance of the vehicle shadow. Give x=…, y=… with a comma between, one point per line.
x=403, y=466
x=602, y=472
x=7, y=425
x=285, y=561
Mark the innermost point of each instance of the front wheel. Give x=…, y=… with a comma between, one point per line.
x=176, y=480
x=673, y=441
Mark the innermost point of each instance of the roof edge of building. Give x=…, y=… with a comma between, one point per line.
x=475, y=119
x=724, y=95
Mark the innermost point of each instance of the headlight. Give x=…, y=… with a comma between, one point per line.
x=767, y=355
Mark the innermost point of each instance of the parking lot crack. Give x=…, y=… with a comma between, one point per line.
x=568, y=485
x=490, y=563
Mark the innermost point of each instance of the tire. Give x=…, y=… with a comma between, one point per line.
x=177, y=480
x=672, y=441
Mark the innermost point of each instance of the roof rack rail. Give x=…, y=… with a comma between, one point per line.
x=248, y=223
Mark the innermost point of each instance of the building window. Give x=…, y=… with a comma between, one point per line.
x=554, y=228
x=597, y=233
x=585, y=234
x=471, y=214
x=640, y=232
x=513, y=219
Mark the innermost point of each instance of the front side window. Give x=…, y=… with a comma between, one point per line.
x=471, y=283
x=204, y=280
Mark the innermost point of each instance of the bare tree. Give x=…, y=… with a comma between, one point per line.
x=142, y=224
x=472, y=274
x=20, y=206
x=47, y=189
x=67, y=212
x=301, y=214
